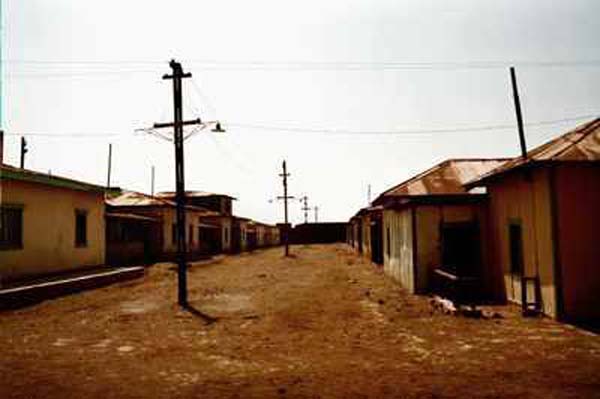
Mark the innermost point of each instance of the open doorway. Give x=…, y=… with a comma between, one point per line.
x=376, y=241
x=459, y=273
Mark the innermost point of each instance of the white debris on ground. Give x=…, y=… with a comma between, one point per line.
x=443, y=305
x=446, y=306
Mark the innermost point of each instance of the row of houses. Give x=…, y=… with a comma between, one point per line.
x=521, y=230
x=50, y=224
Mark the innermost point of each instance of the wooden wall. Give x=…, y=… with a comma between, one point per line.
x=398, y=252
x=578, y=217
x=517, y=197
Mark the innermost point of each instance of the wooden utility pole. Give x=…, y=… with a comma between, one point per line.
x=1, y=147
x=24, y=151
x=109, y=165
x=305, y=208
x=177, y=125
x=528, y=308
x=285, y=197
x=515, y=89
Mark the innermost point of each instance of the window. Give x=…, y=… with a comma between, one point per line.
x=389, y=246
x=174, y=233
x=515, y=242
x=11, y=228
x=80, y=228
x=226, y=235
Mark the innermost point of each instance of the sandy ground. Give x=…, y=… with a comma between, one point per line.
x=323, y=324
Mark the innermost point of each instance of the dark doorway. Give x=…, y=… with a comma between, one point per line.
x=359, y=237
x=251, y=240
x=515, y=242
x=236, y=238
x=461, y=249
x=209, y=239
x=458, y=275
x=377, y=241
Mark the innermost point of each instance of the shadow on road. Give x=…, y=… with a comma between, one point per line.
x=195, y=312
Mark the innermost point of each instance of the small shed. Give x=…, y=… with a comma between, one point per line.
x=431, y=230
x=544, y=216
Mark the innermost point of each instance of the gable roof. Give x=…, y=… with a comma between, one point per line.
x=446, y=178
x=579, y=144
x=8, y=172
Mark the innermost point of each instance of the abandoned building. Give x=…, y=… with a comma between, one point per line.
x=428, y=230
x=218, y=230
x=164, y=241
x=130, y=239
x=318, y=233
x=544, y=211
x=49, y=224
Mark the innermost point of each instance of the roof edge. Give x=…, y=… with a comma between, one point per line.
x=378, y=200
x=30, y=176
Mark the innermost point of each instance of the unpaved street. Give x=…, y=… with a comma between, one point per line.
x=322, y=324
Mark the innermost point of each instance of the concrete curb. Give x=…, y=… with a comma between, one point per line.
x=26, y=295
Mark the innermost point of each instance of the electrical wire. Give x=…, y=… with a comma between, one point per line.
x=293, y=129
x=441, y=64
x=468, y=129
x=216, y=65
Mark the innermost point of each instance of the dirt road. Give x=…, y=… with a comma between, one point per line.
x=325, y=324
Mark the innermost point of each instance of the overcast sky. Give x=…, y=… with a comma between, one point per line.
x=80, y=74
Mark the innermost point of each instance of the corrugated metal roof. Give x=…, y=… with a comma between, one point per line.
x=135, y=199
x=579, y=144
x=132, y=198
x=192, y=194
x=445, y=178
x=130, y=216
x=8, y=172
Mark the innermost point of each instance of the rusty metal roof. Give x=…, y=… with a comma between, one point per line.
x=579, y=144
x=445, y=178
x=135, y=199
x=192, y=194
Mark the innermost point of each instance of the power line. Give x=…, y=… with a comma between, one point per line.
x=216, y=65
x=295, y=129
x=287, y=63
x=62, y=135
x=76, y=74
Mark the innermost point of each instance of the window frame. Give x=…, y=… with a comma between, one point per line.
x=85, y=242
x=10, y=246
x=512, y=267
x=388, y=241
